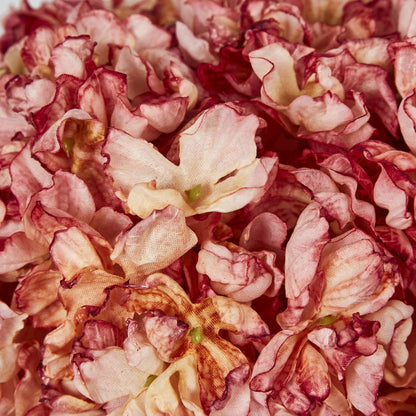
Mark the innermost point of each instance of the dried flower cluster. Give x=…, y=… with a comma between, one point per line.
x=208, y=208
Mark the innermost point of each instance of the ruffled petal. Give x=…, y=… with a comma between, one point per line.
x=154, y=243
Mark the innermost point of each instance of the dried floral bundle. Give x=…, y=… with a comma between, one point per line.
x=208, y=208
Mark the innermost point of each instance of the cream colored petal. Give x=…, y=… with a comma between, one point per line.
x=144, y=198
x=175, y=391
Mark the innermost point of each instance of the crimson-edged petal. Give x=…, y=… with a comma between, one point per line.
x=304, y=249
x=208, y=183
x=37, y=295
x=363, y=378
x=154, y=243
x=237, y=273
x=359, y=277
x=70, y=56
x=18, y=250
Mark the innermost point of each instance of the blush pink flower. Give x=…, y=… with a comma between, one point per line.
x=203, y=181
x=207, y=207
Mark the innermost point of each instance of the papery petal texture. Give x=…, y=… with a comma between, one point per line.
x=225, y=183
x=154, y=243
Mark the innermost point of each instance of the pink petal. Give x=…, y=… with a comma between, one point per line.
x=363, y=378
x=407, y=116
x=398, y=243
x=340, y=170
x=310, y=383
x=10, y=324
x=97, y=95
x=245, y=323
x=12, y=123
x=346, y=135
x=38, y=46
x=288, y=17
x=110, y=223
x=265, y=231
x=37, y=295
x=291, y=372
x=139, y=351
x=125, y=152
x=154, y=243
x=64, y=100
x=18, y=251
x=140, y=74
x=194, y=49
x=28, y=390
x=48, y=145
x=272, y=361
x=71, y=251
x=104, y=28
x=105, y=375
x=319, y=114
x=379, y=97
x=26, y=96
x=274, y=65
x=304, y=249
x=336, y=204
x=357, y=275
x=165, y=115
x=371, y=51
x=166, y=334
x=70, y=56
x=387, y=195
x=66, y=404
x=237, y=273
x=98, y=335
x=123, y=118
x=249, y=184
x=396, y=325
x=218, y=131
x=163, y=396
x=88, y=288
x=349, y=340
x=404, y=72
x=147, y=34
x=28, y=177
x=78, y=204
x=335, y=404
x=236, y=397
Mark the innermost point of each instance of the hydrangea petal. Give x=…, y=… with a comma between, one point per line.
x=18, y=250
x=105, y=375
x=303, y=250
x=154, y=243
x=362, y=380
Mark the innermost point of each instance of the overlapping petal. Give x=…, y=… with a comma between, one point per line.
x=207, y=207
x=204, y=180
x=154, y=243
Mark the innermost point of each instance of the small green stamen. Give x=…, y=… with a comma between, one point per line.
x=196, y=335
x=194, y=193
x=68, y=145
x=327, y=320
x=150, y=380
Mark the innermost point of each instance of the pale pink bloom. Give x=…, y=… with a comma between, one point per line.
x=238, y=273
x=204, y=180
